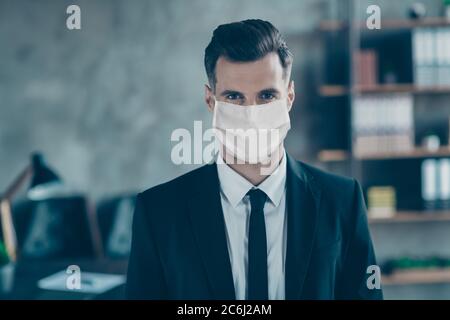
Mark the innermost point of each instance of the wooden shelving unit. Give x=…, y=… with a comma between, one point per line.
x=411, y=277
x=338, y=90
x=413, y=216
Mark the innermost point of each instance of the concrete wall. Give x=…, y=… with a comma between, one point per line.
x=101, y=102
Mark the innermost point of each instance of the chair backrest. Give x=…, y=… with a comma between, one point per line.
x=57, y=228
x=115, y=217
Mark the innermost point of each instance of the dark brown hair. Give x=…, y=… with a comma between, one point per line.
x=245, y=41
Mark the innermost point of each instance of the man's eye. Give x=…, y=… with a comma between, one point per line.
x=233, y=96
x=267, y=96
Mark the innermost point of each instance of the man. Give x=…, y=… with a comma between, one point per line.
x=256, y=224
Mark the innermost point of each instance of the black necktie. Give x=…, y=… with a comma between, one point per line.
x=257, y=248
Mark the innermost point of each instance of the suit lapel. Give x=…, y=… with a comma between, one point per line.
x=303, y=199
x=205, y=211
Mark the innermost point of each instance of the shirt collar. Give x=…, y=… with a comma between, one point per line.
x=235, y=187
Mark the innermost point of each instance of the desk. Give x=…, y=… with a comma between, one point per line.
x=28, y=273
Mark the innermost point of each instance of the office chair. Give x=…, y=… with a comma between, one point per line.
x=55, y=228
x=114, y=218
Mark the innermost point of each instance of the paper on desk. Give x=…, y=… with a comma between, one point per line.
x=90, y=282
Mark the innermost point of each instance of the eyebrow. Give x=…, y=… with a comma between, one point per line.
x=228, y=92
x=270, y=90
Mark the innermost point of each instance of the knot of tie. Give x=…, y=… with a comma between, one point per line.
x=257, y=199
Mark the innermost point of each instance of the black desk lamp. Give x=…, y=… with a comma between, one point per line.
x=40, y=175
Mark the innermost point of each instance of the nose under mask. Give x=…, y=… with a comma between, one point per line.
x=251, y=134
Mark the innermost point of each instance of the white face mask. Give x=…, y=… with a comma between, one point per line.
x=251, y=134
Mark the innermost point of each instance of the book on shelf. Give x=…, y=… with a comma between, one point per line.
x=383, y=124
x=431, y=56
x=366, y=68
x=381, y=202
x=436, y=183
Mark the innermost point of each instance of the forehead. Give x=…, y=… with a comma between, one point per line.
x=264, y=73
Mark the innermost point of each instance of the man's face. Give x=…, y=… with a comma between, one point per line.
x=249, y=83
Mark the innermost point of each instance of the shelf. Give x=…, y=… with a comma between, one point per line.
x=333, y=155
x=409, y=88
x=332, y=25
x=422, y=276
x=393, y=24
x=410, y=24
x=338, y=90
x=416, y=153
x=333, y=90
x=413, y=216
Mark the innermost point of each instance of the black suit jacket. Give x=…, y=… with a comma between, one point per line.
x=179, y=248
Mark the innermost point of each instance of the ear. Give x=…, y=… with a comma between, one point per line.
x=209, y=98
x=291, y=94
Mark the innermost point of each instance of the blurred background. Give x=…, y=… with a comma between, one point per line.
x=99, y=104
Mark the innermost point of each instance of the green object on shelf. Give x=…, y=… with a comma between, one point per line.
x=446, y=2
x=409, y=263
x=4, y=259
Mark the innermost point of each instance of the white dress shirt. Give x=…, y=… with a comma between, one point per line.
x=236, y=210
